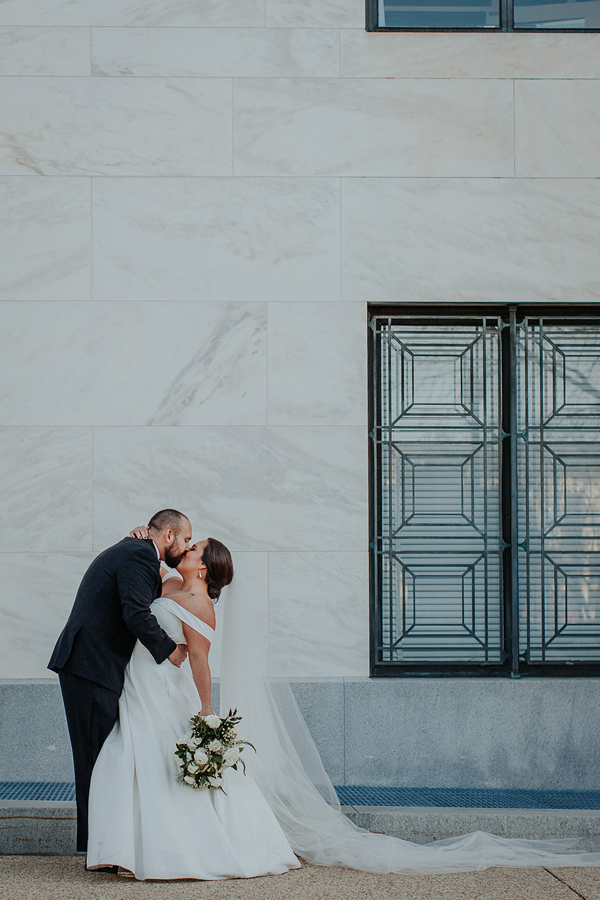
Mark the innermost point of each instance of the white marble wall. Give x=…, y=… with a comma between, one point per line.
x=199, y=198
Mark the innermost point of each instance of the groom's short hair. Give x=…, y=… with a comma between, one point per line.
x=167, y=518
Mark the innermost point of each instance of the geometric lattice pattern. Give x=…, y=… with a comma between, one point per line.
x=559, y=501
x=486, y=462
x=438, y=533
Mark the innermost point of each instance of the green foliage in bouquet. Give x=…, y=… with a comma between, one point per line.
x=211, y=746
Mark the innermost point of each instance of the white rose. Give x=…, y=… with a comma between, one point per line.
x=214, y=782
x=212, y=721
x=215, y=746
x=200, y=757
x=193, y=768
x=189, y=780
x=231, y=756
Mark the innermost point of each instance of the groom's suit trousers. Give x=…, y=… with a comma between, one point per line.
x=91, y=711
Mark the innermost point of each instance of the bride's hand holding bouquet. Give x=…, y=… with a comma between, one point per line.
x=211, y=746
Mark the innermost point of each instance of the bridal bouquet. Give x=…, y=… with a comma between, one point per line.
x=211, y=746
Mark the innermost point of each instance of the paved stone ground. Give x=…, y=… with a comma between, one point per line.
x=65, y=878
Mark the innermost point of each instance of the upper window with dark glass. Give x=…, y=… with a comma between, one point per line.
x=475, y=15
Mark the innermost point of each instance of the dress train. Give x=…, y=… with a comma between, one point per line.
x=289, y=773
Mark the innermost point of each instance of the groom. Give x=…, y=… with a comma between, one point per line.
x=111, y=610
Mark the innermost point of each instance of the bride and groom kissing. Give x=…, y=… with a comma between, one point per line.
x=129, y=697
x=127, y=700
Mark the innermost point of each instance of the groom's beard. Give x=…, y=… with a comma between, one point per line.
x=173, y=559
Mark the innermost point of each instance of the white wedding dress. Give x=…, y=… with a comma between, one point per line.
x=140, y=817
x=143, y=820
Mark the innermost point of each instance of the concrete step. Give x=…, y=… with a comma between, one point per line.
x=48, y=828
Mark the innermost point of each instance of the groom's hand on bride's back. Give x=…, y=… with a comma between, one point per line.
x=178, y=655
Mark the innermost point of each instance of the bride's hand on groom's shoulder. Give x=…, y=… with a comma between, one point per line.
x=140, y=531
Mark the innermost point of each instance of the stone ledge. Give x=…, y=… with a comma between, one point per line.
x=48, y=828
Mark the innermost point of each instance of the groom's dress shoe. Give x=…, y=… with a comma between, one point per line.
x=104, y=870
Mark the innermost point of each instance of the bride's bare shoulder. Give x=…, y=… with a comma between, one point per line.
x=199, y=605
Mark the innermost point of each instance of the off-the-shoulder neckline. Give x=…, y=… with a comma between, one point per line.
x=179, y=605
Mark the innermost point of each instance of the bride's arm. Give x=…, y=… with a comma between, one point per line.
x=198, y=648
x=171, y=584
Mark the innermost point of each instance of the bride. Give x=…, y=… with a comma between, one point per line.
x=140, y=817
x=144, y=821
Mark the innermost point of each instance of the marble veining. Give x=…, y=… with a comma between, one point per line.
x=557, y=128
x=224, y=168
x=229, y=366
x=203, y=52
x=260, y=488
x=386, y=127
x=186, y=13
x=46, y=497
x=216, y=239
x=44, y=51
x=317, y=363
x=133, y=364
x=318, y=614
x=471, y=240
x=45, y=238
x=38, y=592
x=124, y=126
x=454, y=55
x=315, y=14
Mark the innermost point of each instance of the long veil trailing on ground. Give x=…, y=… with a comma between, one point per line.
x=289, y=772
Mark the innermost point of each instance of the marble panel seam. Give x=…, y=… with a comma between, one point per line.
x=514, y=128
x=283, y=177
x=411, y=77
x=169, y=427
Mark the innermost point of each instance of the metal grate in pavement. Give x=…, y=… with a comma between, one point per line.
x=37, y=790
x=360, y=795
x=478, y=798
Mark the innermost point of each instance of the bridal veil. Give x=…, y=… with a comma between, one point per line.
x=290, y=774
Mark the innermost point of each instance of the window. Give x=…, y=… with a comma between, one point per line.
x=469, y=15
x=485, y=468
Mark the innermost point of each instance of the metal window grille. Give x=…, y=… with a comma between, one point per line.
x=485, y=469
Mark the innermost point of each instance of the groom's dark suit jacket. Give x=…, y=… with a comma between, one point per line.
x=111, y=610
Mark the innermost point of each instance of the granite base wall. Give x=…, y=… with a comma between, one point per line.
x=531, y=733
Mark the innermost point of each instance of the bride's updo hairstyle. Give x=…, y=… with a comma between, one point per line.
x=219, y=567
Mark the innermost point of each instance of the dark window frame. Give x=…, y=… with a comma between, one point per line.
x=512, y=667
x=506, y=24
